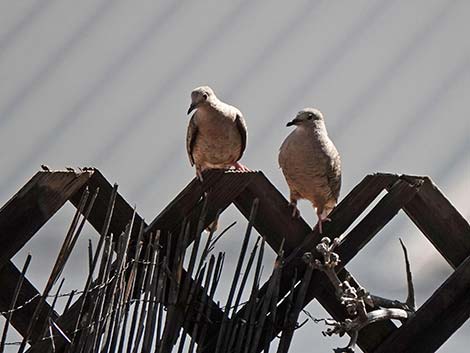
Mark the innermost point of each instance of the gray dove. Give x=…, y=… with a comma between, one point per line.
x=217, y=133
x=311, y=164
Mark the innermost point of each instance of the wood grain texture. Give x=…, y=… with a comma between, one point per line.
x=449, y=232
x=221, y=187
x=9, y=276
x=33, y=205
x=437, y=319
x=440, y=222
x=275, y=222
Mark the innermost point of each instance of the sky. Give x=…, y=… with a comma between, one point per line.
x=106, y=83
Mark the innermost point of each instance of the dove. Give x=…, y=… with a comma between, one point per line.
x=216, y=136
x=217, y=133
x=311, y=164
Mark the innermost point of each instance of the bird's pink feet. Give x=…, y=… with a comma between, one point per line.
x=199, y=174
x=320, y=223
x=295, y=210
x=241, y=167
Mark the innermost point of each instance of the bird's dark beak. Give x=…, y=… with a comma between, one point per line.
x=293, y=122
x=192, y=107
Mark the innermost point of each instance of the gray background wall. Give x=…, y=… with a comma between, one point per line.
x=107, y=82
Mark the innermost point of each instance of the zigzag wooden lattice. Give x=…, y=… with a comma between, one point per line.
x=437, y=319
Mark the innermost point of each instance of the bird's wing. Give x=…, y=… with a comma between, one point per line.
x=334, y=175
x=191, y=136
x=242, y=129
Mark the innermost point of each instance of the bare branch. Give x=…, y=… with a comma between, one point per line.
x=355, y=299
x=410, y=299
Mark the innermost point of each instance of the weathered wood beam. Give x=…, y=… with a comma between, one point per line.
x=440, y=222
x=169, y=218
x=220, y=195
x=274, y=217
x=371, y=336
x=274, y=220
x=386, y=209
x=33, y=205
x=342, y=216
x=437, y=319
x=400, y=193
x=122, y=213
x=357, y=201
x=419, y=197
x=172, y=215
x=221, y=187
x=9, y=276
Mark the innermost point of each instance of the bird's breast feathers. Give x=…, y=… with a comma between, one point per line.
x=218, y=143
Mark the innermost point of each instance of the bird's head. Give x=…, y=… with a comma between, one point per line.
x=306, y=117
x=200, y=96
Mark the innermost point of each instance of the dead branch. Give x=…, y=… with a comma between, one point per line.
x=357, y=299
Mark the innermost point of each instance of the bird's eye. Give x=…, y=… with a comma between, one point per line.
x=310, y=117
x=204, y=96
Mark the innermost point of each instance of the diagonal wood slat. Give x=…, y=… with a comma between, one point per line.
x=428, y=208
x=275, y=222
x=221, y=187
x=437, y=319
x=371, y=336
x=385, y=210
x=33, y=205
x=171, y=217
x=9, y=276
x=440, y=222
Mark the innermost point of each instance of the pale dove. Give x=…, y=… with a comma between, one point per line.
x=311, y=164
x=217, y=133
